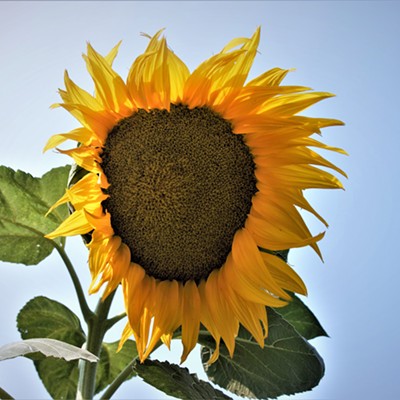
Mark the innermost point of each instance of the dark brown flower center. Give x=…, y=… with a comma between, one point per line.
x=181, y=185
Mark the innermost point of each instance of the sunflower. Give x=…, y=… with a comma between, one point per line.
x=194, y=181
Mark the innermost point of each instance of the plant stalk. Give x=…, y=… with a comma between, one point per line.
x=97, y=327
x=86, y=311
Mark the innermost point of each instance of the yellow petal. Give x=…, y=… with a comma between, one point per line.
x=291, y=104
x=86, y=157
x=270, y=78
x=156, y=78
x=246, y=312
x=119, y=263
x=99, y=122
x=217, y=80
x=76, y=95
x=110, y=88
x=110, y=57
x=222, y=317
x=166, y=312
x=271, y=237
x=207, y=321
x=81, y=135
x=285, y=276
x=249, y=263
x=75, y=224
x=190, y=317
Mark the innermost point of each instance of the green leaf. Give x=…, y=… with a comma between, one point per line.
x=301, y=318
x=112, y=363
x=42, y=317
x=287, y=364
x=59, y=377
x=47, y=347
x=24, y=202
x=176, y=381
x=284, y=254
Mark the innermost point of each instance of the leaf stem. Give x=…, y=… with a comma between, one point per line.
x=112, y=321
x=96, y=331
x=86, y=311
x=123, y=375
x=4, y=395
x=119, y=380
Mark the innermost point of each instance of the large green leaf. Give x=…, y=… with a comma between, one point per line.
x=24, y=202
x=42, y=317
x=287, y=364
x=301, y=318
x=112, y=363
x=176, y=381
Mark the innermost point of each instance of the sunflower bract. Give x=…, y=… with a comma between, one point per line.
x=211, y=170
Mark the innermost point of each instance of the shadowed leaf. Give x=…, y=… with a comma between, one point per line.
x=301, y=318
x=176, y=381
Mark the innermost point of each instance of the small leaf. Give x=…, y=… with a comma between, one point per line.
x=284, y=254
x=43, y=317
x=48, y=347
x=176, y=381
x=287, y=364
x=112, y=363
x=24, y=202
x=302, y=319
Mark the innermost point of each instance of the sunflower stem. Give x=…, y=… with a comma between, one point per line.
x=86, y=311
x=97, y=327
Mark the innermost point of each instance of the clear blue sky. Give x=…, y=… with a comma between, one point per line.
x=348, y=48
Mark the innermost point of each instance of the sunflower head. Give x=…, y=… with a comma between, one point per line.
x=193, y=180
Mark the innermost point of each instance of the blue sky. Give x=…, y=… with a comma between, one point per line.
x=344, y=47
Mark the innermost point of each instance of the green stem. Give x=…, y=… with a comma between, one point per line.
x=86, y=311
x=96, y=331
x=119, y=380
x=4, y=395
x=112, y=321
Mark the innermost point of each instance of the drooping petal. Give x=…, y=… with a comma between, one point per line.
x=86, y=157
x=283, y=274
x=81, y=135
x=190, y=317
x=119, y=264
x=75, y=224
x=207, y=320
x=221, y=315
x=166, y=312
x=250, y=265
